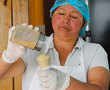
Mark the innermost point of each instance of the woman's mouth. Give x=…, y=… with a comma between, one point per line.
x=65, y=28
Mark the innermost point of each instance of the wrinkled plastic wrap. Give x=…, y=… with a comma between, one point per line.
x=25, y=36
x=62, y=76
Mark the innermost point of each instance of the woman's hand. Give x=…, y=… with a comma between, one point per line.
x=48, y=79
x=14, y=50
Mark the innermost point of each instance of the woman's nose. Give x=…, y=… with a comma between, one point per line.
x=67, y=19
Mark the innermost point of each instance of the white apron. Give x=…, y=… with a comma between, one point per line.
x=78, y=73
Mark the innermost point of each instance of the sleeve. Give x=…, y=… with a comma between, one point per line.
x=30, y=57
x=25, y=58
x=100, y=58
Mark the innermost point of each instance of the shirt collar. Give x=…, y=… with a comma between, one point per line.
x=78, y=45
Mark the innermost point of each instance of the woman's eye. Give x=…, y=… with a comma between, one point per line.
x=74, y=17
x=61, y=13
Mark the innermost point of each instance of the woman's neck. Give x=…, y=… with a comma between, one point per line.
x=62, y=43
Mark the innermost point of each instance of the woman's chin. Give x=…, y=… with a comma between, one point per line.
x=64, y=29
x=63, y=34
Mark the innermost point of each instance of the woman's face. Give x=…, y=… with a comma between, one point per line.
x=67, y=21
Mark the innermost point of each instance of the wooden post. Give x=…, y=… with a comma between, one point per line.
x=20, y=11
x=36, y=16
x=5, y=23
x=20, y=16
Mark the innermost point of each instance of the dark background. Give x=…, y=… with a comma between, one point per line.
x=100, y=23
x=47, y=20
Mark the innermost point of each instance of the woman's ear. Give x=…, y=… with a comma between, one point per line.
x=84, y=23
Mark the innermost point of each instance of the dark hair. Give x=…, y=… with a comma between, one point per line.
x=49, y=29
x=47, y=20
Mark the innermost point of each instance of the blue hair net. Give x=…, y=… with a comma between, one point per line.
x=80, y=5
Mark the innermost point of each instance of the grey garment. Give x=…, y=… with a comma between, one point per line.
x=94, y=56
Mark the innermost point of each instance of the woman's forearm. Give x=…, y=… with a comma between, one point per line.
x=3, y=67
x=78, y=85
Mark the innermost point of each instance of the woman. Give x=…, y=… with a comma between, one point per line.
x=88, y=62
